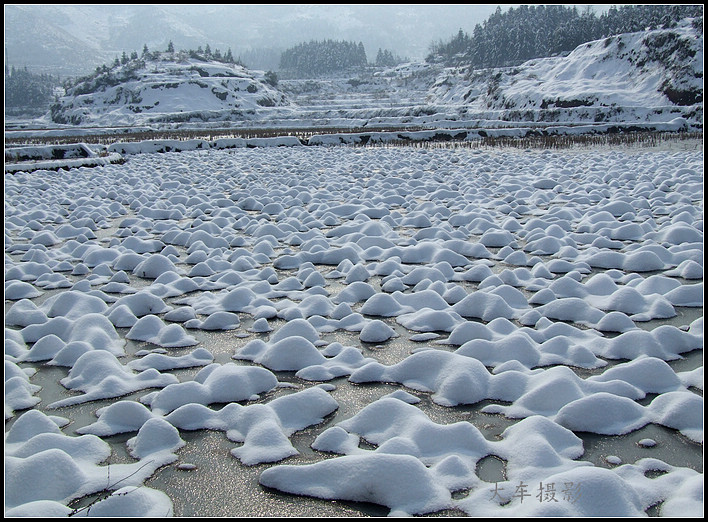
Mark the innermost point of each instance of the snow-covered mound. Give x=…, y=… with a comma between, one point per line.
x=170, y=88
x=629, y=77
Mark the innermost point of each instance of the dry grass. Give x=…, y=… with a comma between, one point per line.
x=627, y=139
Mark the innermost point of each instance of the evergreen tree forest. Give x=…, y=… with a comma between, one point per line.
x=26, y=90
x=527, y=32
x=322, y=57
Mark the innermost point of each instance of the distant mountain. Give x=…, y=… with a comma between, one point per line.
x=73, y=39
x=38, y=42
x=632, y=76
x=166, y=87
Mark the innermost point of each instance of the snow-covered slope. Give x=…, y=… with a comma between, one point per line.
x=173, y=88
x=629, y=77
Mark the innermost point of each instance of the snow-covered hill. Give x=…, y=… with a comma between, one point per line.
x=172, y=88
x=630, y=77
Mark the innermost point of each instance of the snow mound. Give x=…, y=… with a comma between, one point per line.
x=214, y=384
x=100, y=375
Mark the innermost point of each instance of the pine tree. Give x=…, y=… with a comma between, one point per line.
x=271, y=78
x=361, y=55
x=25, y=90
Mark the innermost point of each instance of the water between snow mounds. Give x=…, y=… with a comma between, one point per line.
x=399, y=330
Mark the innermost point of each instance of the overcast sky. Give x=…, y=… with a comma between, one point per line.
x=403, y=28
x=77, y=35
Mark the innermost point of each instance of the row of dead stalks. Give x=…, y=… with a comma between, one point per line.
x=635, y=138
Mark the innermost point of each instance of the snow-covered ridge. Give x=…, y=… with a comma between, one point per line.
x=72, y=155
x=74, y=150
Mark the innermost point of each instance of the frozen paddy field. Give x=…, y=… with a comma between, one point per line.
x=323, y=331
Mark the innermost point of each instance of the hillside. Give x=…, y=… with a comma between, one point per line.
x=169, y=88
x=638, y=76
x=641, y=78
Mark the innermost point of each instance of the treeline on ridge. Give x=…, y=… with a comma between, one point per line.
x=322, y=57
x=316, y=58
x=538, y=31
